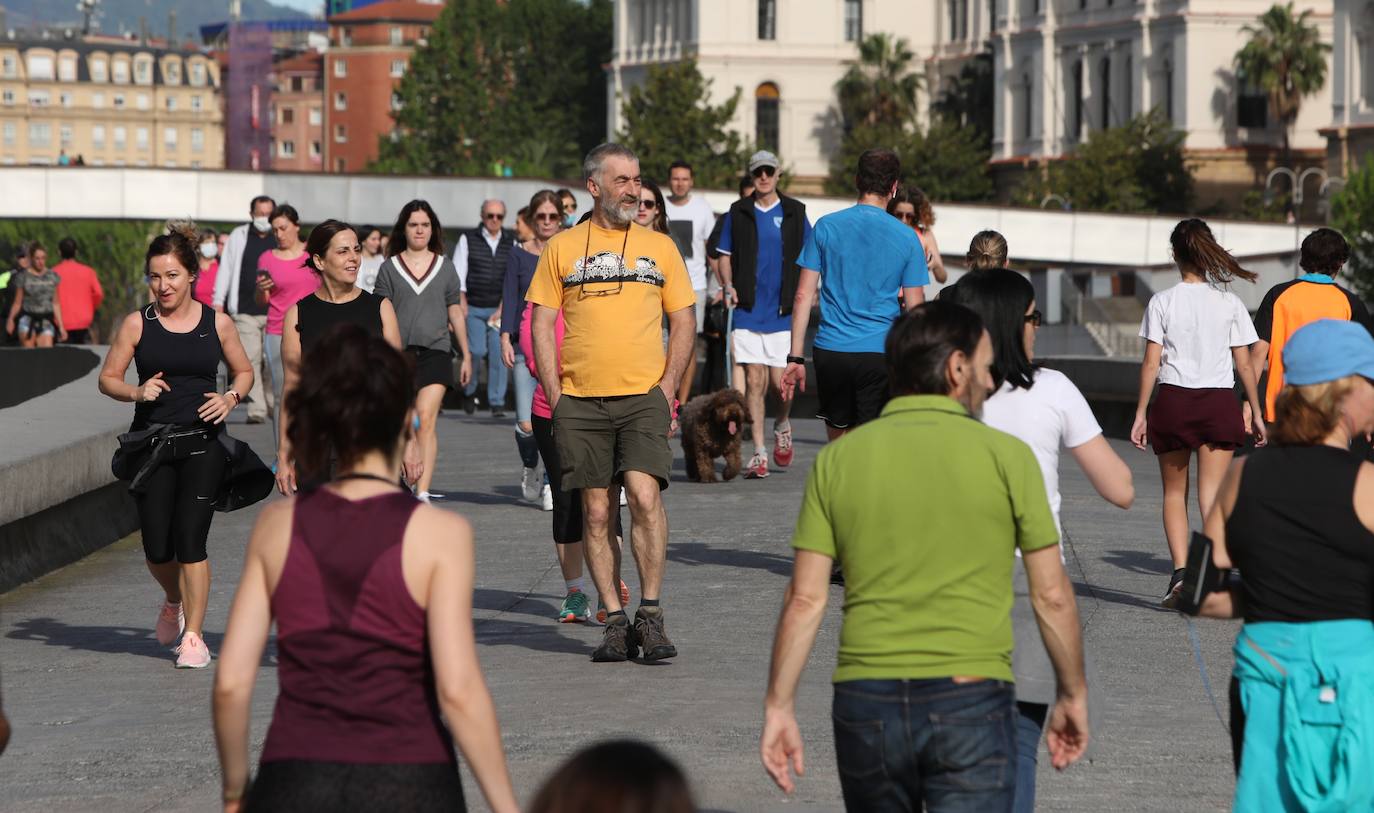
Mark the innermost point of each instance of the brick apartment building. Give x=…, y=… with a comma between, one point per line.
x=298, y=113
x=369, y=52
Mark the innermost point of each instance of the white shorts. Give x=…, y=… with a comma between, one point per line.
x=769, y=349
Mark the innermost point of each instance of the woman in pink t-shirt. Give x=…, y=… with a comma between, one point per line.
x=284, y=279
x=204, y=290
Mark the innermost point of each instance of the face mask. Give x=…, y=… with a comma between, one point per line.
x=569, y=220
x=209, y=250
x=262, y=224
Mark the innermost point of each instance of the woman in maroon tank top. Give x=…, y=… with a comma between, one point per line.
x=371, y=593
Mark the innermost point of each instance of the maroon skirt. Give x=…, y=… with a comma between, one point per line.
x=1183, y=418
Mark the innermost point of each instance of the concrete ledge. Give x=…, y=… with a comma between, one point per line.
x=34, y=372
x=35, y=545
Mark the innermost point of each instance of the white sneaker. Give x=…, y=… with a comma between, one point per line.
x=546, y=498
x=425, y=496
x=530, y=482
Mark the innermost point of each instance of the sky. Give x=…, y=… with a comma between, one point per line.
x=308, y=6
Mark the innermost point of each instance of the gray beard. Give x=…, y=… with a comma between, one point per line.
x=615, y=215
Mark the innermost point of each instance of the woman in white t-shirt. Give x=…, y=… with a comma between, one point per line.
x=1197, y=334
x=1044, y=409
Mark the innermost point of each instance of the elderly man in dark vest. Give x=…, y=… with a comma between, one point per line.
x=481, y=260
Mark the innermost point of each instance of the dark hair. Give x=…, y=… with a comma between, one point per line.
x=21, y=251
x=878, y=171
x=34, y=245
x=1324, y=251
x=261, y=199
x=67, y=248
x=352, y=398
x=182, y=241
x=746, y=182
x=681, y=164
x=660, y=223
x=925, y=215
x=566, y=193
x=1195, y=247
x=922, y=340
x=621, y=775
x=287, y=211
x=397, y=243
x=1000, y=298
x=365, y=232
x=540, y=198
x=987, y=250
x=320, y=238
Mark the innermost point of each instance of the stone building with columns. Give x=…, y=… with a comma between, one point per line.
x=1350, y=136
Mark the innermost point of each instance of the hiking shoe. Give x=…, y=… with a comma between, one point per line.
x=171, y=620
x=530, y=483
x=193, y=653
x=546, y=498
x=757, y=468
x=615, y=642
x=624, y=602
x=650, y=637
x=576, y=607
x=1171, y=596
x=782, y=447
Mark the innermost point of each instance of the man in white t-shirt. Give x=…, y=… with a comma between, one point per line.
x=690, y=220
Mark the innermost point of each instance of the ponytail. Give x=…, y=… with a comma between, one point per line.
x=1196, y=248
x=988, y=250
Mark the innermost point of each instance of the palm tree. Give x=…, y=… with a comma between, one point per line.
x=880, y=87
x=1285, y=58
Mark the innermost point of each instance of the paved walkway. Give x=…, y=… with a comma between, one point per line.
x=103, y=723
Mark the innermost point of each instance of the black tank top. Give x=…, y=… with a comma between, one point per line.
x=188, y=363
x=314, y=316
x=1302, y=552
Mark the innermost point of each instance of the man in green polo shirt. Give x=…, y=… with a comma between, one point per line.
x=924, y=509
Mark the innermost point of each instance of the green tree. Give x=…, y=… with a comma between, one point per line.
x=1285, y=58
x=940, y=159
x=968, y=100
x=670, y=117
x=1352, y=212
x=1137, y=167
x=880, y=87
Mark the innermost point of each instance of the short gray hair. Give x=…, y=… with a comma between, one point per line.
x=591, y=165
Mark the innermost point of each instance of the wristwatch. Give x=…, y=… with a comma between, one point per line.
x=796, y=360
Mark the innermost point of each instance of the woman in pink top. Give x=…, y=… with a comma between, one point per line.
x=284, y=278
x=208, y=260
x=567, y=505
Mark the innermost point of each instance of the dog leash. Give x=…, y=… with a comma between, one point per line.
x=1202, y=670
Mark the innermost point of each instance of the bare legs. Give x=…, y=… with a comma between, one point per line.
x=427, y=403
x=1173, y=469
x=188, y=584
x=648, y=539
x=755, y=394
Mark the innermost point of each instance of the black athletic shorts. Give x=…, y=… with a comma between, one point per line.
x=852, y=387
x=431, y=367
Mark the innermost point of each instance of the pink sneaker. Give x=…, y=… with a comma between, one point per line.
x=193, y=653
x=757, y=468
x=782, y=447
x=171, y=620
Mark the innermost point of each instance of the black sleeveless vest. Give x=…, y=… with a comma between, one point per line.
x=486, y=268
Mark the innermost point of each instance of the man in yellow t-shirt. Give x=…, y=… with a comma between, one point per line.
x=612, y=390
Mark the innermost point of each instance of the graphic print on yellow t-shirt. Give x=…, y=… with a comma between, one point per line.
x=612, y=307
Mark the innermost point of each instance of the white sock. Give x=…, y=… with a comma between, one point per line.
x=578, y=584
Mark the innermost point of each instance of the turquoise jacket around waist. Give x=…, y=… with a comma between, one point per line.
x=1308, y=693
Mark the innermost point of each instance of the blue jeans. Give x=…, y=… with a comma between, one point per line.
x=1030, y=723
x=272, y=349
x=904, y=743
x=524, y=389
x=484, y=341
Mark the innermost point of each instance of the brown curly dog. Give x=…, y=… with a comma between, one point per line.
x=711, y=428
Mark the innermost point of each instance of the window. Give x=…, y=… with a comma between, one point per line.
x=9, y=66
x=398, y=68
x=120, y=138
x=288, y=115
x=287, y=149
x=99, y=70
x=853, y=20
x=198, y=73
x=143, y=71
x=345, y=36
x=171, y=104
x=66, y=69
x=340, y=69
x=1169, y=89
x=1252, y=104
x=141, y=138
x=171, y=72
x=65, y=134
x=64, y=99
x=39, y=98
x=11, y=134
x=40, y=134
x=297, y=84
x=396, y=35
x=40, y=66
x=98, y=100
x=98, y=136
x=340, y=134
x=340, y=101
x=952, y=10
x=1077, y=100
x=340, y=165
x=7, y=96
x=768, y=19
x=1027, y=111
x=196, y=103
x=195, y=165
x=119, y=101
x=119, y=71
x=1105, y=71
x=144, y=102
x=197, y=140
x=766, y=116
x=169, y=137
x=315, y=117
x=314, y=149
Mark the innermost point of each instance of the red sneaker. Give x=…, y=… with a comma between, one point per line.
x=757, y=468
x=782, y=447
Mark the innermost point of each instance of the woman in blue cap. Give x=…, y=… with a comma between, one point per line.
x=1297, y=521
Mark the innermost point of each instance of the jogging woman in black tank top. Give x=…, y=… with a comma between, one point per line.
x=334, y=254
x=177, y=344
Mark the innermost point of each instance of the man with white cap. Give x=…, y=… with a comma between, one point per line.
x=760, y=240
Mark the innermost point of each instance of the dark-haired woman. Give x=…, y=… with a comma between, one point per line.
x=372, y=258
x=1043, y=408
x=283, y=278
x=1297, y=521
x=423, y=287
x=1197, y=336
x=357, y=724
x=35, y=315
x=911, y=206
x=620, y=775
x=653, y=211
x=177, y=344
x=334, y=254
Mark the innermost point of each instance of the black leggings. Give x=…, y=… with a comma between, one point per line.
x=175, y=508
x=302, y=786
x=567, y=505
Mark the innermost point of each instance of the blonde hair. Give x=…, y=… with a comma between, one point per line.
x=987, y=250
x=1306, y=415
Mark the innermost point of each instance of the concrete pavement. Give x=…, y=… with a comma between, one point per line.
x=103, y=722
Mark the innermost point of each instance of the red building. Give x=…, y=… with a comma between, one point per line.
x=369, y=52
x=298, y=113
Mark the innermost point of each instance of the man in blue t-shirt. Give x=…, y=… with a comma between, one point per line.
x=866, y=259
x=760, y=241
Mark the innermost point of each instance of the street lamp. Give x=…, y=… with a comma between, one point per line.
x=1296, y=181
x=1063, y=203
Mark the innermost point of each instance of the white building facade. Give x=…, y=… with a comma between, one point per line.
x=1350, y=136
x=785, y=56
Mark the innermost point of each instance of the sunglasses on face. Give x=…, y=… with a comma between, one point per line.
x=648, y=203
x=1034, y=318
x=547, y=218
x=906, y=217
x=764, y=172
x=494, y=216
